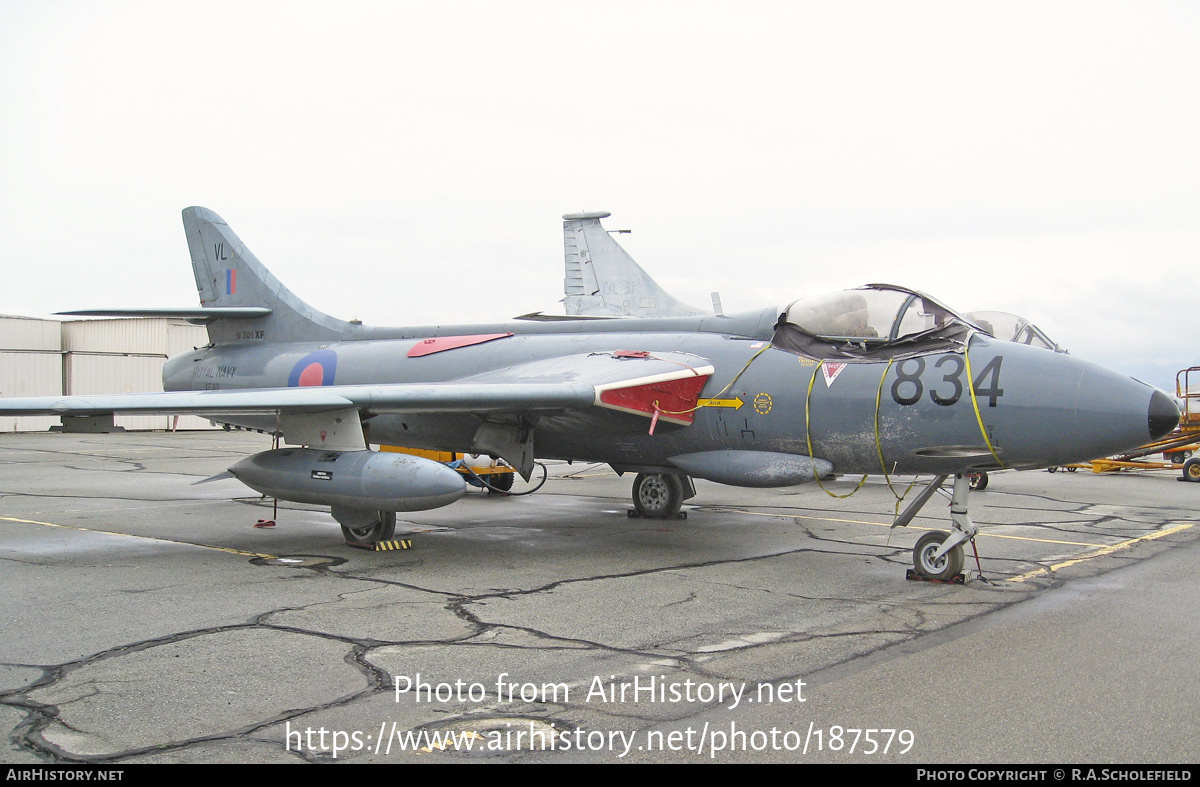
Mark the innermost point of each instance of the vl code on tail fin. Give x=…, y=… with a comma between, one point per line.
x=241, y=302
x=230, y=281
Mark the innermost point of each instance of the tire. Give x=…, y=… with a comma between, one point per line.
x=979, y=481
x=499, y=483
x=657, y=495
x=1191, y=469
x=382, y=529
x=950, y=565
x=1051, y=469
x=1072, y=469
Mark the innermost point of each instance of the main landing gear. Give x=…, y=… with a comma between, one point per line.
x=938, y=555
x=660, y=495
x=363, y=529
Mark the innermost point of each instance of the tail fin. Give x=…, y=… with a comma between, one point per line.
x=229, y=276
x=604, y=281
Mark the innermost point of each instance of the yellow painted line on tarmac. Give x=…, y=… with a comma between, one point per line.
x=114, y=508
x=1108, y=550
x=230, y=550
x=913, y=527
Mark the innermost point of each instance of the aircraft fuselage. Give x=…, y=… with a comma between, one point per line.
x=912, y=415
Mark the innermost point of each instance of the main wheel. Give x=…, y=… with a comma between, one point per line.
x=657, y=495
x=382, y=529
x=979, y=481
x=945, y=567
x=1191, y=469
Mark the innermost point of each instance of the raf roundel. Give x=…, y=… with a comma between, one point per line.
x=314, y=369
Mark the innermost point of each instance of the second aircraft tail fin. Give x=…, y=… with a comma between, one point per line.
x=602, y=280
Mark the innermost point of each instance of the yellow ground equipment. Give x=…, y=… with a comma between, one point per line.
x=1177, y=448
x=497, y=476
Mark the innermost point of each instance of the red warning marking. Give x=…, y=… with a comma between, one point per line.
x=440, y=343
x=670, y=400
x=831, y=371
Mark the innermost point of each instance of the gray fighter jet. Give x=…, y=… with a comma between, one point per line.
x=879, y=379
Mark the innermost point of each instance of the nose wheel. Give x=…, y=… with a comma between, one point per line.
x=929, y=565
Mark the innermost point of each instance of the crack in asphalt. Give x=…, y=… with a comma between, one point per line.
x=28, y=734
x=40, y=716
x=911, y=621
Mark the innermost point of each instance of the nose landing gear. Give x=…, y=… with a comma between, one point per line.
x=938, y=555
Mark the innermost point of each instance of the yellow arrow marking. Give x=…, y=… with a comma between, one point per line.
x=736, y=403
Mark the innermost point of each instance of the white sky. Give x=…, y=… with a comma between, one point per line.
x=407, y=162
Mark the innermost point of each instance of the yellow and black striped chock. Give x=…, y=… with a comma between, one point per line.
x=387, y=546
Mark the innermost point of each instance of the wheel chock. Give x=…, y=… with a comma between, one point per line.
x=957, y=579
x=395, y=544
x=265, y=523
x=633, y=514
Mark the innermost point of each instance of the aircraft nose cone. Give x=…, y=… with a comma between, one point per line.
x=1162, y=416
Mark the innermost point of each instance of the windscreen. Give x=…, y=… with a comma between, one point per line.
x=1013, y=328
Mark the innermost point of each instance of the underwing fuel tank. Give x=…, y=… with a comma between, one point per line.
x=353, y=479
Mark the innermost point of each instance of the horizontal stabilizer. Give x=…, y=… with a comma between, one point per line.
x=196, y=314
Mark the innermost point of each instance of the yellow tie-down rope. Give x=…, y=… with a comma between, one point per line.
x=975, y=401
x=878, y=444
x=808, y=434
x=878, y=404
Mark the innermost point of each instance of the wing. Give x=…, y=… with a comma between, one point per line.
x=662, y=386
x=403, y=397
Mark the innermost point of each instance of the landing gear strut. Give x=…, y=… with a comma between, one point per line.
x=938, y=555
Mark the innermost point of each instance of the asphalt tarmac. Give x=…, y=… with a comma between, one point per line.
x=146, y=619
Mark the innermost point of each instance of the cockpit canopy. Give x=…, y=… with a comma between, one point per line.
x=1013, y=328
x=870, y=322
